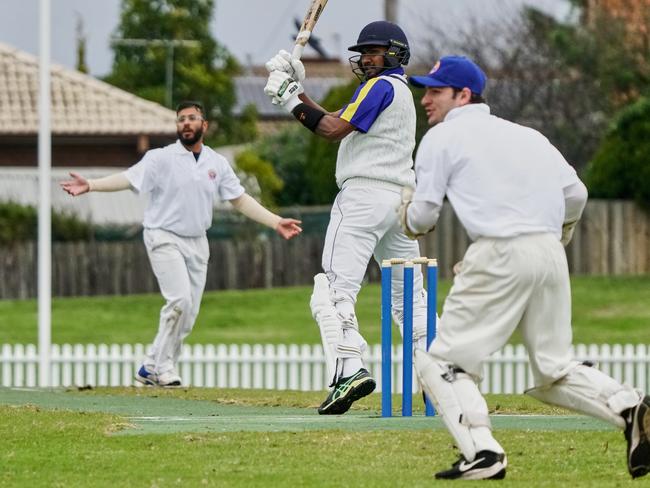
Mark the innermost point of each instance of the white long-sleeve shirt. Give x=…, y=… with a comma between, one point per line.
x=502, y=179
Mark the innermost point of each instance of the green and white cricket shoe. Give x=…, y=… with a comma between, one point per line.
x=346, y=391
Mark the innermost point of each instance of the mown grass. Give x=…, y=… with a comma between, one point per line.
x=43, y=447
x=605, y=310
x=498, y=404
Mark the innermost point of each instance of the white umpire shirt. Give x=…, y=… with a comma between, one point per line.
x=183, y=191
x=503, y=179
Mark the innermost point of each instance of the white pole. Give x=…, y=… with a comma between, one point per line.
x=44, y=204
x=390, y=10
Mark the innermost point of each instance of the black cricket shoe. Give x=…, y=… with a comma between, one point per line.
x=637, y=430
x=487, y=465
x=346, y=391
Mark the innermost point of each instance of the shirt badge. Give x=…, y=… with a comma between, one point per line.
x=212, y=174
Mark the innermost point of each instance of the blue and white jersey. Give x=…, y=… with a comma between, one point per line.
x=369, y=101
x=383, y=112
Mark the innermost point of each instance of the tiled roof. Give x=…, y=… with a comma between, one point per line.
x=250, y=90
x=81, y=104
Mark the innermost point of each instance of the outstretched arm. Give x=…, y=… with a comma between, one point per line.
x=251, y=208
x=78, y=185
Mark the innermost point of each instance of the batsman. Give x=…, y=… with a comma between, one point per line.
x=376, y=130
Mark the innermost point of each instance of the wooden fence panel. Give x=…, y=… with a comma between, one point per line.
x=613, y=238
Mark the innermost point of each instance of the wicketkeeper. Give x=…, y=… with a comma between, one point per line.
x=519, y=201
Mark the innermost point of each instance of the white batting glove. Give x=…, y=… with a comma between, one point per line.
x=283, y=90
x=284, y=62
x=402, y=212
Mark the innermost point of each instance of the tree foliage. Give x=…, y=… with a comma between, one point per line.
x=20, y=223
x=269, y=182
x=201, y=72
x=286, y=151
x=621, y=167
x=566, y=78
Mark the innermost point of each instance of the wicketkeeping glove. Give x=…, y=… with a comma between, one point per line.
x=567, y=232
x=284, y=62
x=402, y=212
x=283, y=90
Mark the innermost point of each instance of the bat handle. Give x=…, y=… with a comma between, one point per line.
x=297, y=51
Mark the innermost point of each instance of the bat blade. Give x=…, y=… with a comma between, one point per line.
x=315, y=9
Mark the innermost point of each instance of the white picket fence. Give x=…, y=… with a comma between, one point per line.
x=282, y=367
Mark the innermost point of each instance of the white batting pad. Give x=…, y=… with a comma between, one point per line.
x=459, y=402
x=587, y=390
x=329, y=323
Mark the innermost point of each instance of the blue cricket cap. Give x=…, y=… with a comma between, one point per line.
x=454, y=71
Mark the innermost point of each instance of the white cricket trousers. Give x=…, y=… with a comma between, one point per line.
x=504, y=284
x=363, y=223
x=180, y=265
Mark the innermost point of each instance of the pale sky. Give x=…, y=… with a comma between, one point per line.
x=250, y=29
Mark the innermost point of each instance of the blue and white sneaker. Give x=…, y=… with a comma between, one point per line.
x=146, y=377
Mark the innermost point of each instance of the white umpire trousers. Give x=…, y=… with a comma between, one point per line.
x=363, y=223
x=504, y=284
x=180, y=265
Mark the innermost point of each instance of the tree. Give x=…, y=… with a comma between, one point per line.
x=286, y=151
x=20, y=223
x=621, y=167
x=269, y=182
x=564, y=78
x=81, y=46
x=201, y=72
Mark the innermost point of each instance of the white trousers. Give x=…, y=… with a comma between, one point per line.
x=180, y=265
x=504, y=284
x=363, y=223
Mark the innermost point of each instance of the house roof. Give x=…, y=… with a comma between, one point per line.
x=81, y=104
x=250, y=90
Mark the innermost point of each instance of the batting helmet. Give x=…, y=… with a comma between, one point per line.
x=383, y=33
